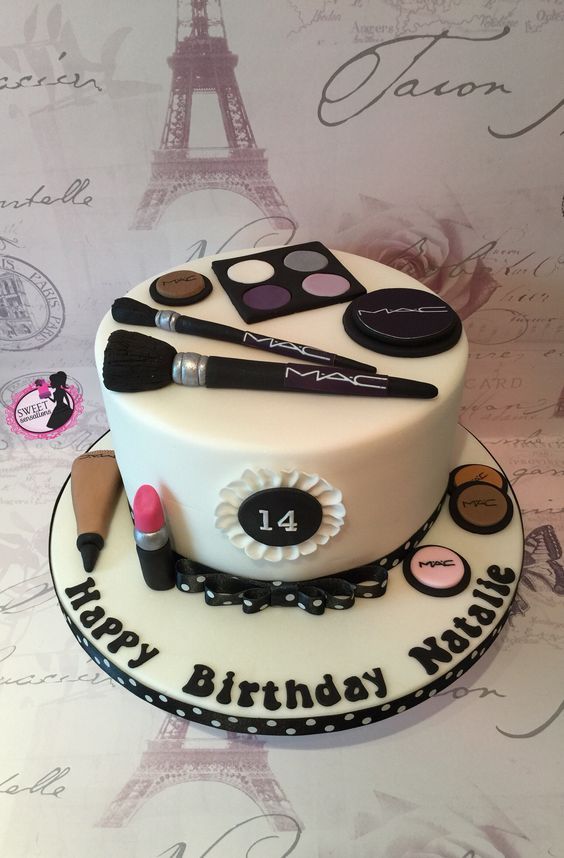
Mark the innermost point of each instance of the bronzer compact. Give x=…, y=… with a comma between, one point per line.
x=403, y=323
x=285, y=280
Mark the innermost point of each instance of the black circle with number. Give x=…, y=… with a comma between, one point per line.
x=282, y=516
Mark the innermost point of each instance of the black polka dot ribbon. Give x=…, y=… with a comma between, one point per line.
x=337, y=592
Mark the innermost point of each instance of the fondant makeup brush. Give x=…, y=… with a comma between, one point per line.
x=128, y=311
x=95, y=488
x=151, y=538
x=134, y=362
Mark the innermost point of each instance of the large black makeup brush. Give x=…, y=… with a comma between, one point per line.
x=128, y=311
x=134, y=362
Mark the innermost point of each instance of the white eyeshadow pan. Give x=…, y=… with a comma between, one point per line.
x=250, y=271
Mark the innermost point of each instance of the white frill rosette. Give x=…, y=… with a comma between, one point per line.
x=235, y=493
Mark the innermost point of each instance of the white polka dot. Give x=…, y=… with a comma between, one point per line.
x=272, y=723
x=385, y=707
x=460, y=672
x=148, y=698
x=290, y=731
x=251, y=729
x=329, y=728
x=368, y=595
x=68, y=620
x=262, y=607
x=106, y=662
x=402, y=708
x=210, y=594
x=383, y=561
x=367, y=720
x=216, y=723
x=248, y=603
x=406, y=546
x=396, y=561
x=338, y=607
x=132, y=681
x=277, y=583
x=181, y=712
x=163, y=698
x=200, y=579
x=474, y=654
x=432, y=692
x=85, y=642
x=97, y=660
x=419, y=693
x=449, y=674
x=349, y=716
x=120, y=679
x=185, y=587
x=290, y=597
x=310, y=722
x=228, y=603
x=302, y=606
x=196, y=710
x=317, y=603
x=482, y=651
x=232, y=719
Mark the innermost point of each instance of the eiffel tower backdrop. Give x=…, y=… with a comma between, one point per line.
x=170, y=759
x=203, y=63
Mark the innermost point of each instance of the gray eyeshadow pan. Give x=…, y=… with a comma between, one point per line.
x=305, y=260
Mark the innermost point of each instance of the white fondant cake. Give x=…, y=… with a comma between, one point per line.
x=279, y=489
x=378, y=466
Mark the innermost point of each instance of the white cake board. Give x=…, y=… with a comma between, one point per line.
x=355, y=664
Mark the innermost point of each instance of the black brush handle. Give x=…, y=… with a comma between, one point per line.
x=259, y=375
x=244, y=374
x=211, y=330
x=266, y=343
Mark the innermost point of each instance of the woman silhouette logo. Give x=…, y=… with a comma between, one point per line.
x=45, y=409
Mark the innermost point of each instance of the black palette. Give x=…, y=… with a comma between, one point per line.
x=403, y=323
x=285, y=280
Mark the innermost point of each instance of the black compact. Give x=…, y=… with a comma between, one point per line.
x=402, y=322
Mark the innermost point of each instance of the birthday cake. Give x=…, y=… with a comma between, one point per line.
x=251, y=491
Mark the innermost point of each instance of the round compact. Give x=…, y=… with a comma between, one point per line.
x=480, y=507
x=180, y=288
x=402, y=322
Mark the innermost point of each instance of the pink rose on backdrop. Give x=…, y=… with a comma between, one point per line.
x=401, y=829
x=442, y=252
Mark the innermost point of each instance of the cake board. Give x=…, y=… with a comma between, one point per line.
x=283, y=671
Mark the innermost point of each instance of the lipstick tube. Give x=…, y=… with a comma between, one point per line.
x=151, y=539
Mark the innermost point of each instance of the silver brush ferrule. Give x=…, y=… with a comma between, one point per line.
x=189, y=369
x=166, y=320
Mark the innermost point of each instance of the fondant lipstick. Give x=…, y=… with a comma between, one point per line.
x=151, y=539
x=134, y=362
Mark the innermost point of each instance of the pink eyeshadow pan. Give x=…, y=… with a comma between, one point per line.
x=436, y=566
x=325, y=285
x=436, y=571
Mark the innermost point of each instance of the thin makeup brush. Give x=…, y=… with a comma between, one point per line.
x=128, y=311
x=134, y=362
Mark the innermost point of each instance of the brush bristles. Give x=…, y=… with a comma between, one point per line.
x=134, y=362
x=128, y=311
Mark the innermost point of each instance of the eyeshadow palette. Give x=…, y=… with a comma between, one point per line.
x=403, y=323
x=285, y=280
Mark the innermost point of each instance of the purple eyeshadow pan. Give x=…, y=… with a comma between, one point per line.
x=267, y=296
x=325, y=285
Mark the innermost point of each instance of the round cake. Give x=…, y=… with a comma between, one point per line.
x=361, y=476
x=391, y=527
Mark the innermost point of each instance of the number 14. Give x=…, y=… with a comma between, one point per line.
x=287, y=522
